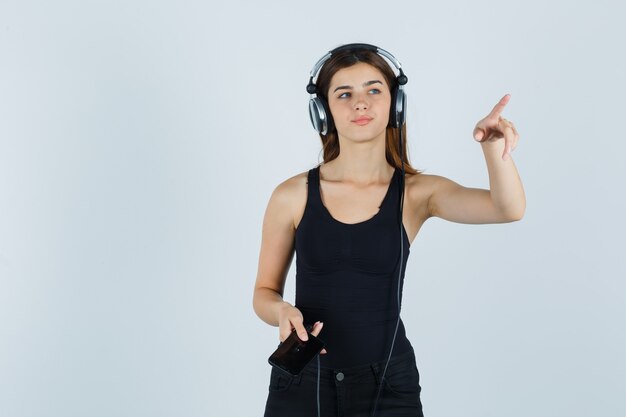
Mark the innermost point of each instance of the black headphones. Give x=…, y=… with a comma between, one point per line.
x=319, y=112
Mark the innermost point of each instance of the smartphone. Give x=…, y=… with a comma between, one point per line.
x=293, y=354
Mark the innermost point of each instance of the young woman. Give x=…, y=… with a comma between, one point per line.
x=350, y=221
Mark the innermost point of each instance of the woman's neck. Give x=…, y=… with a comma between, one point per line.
x=363, y=163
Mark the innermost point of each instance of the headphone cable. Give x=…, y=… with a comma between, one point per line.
x=318, y=385
x=395, y=333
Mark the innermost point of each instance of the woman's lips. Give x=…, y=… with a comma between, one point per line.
x=362, y=121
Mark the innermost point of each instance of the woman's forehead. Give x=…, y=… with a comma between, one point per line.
x=357, y=74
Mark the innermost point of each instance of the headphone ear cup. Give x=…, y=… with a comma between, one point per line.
x=397, y=115
x=320, y=116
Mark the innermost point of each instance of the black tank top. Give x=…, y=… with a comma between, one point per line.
x=347, y=277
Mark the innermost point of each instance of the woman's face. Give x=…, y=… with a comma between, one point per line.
x=359, y=101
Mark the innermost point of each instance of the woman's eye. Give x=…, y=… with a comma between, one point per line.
x=344, y=95
x=375, y=91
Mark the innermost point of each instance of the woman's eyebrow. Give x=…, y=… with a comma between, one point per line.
x=342, y=87
x=365, y=84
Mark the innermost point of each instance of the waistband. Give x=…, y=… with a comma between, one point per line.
x=376, y=367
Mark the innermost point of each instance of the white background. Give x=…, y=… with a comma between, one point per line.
x=140, y=142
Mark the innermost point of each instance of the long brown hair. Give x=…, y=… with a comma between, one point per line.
x=330, y=141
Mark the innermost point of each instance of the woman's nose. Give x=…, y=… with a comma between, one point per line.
x=360, y=103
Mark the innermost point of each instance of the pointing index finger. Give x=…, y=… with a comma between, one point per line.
x=497, y=109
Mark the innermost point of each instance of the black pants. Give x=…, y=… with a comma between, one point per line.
x=348, y=392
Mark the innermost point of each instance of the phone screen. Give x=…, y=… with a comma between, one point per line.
x=293, y=354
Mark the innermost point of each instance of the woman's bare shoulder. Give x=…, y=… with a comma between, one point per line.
x=289, y=197
x=292, y=188
x=418, y=190
x=419, y=183
x=423, y=183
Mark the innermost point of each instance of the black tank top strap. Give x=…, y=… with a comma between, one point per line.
x=397, y=193
x=390, y=205
x=314, y=200
x=313, y=180
x=389, y=202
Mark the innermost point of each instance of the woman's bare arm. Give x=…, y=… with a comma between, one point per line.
x=276, y=255
x=505, y=200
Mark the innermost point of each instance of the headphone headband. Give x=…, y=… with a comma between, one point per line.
x=401, y=78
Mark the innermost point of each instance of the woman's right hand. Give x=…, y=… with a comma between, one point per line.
x=290, y=318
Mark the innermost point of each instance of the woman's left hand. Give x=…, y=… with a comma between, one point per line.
x=494, y=127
